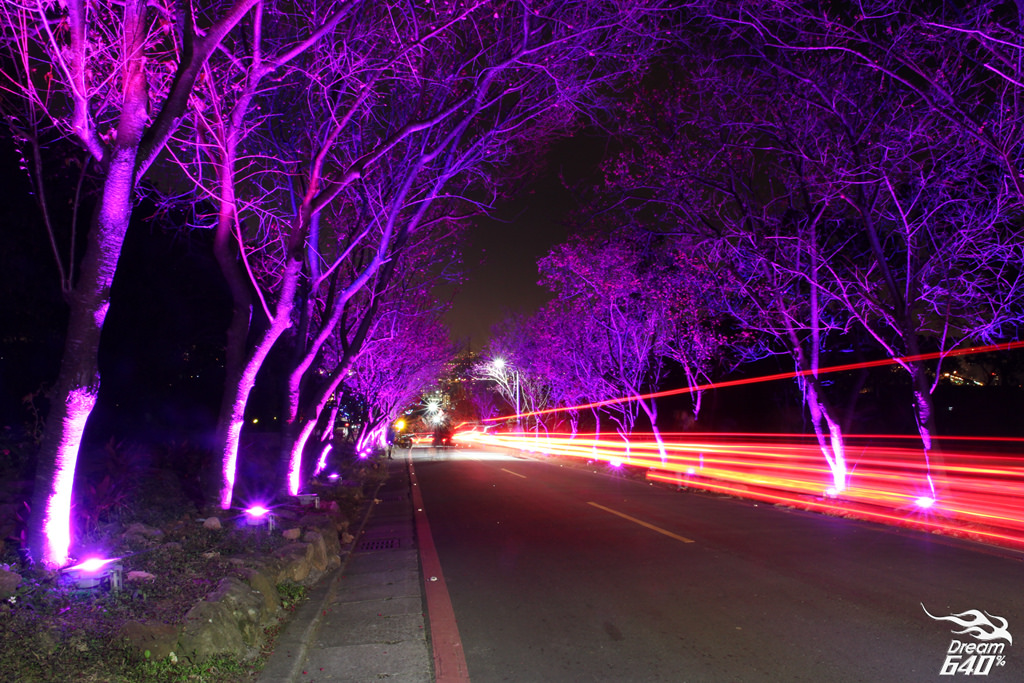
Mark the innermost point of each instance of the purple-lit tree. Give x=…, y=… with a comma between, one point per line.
x=612, y=279
x=572, y=365
x=743, y=223
x=390, y=312
x=404, y=356
x=910, y=144
x=696, y=341
x=509, y=363
x=404, y=107
x=230, y=161
x=115, y=79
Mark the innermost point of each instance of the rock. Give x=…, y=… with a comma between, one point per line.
x=140, y=529
x=292, y=534
x=260, y=581
x=9, y=582
x=319, y=559
x=333, y=544
x=245, y=605
x=212, y=523
x=210, y=630
x=158, y=639
x=137, y=575
x=297, y=562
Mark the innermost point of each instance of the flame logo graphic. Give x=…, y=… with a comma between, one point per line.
x=974, y=623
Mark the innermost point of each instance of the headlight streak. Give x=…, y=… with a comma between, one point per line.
x=980, y=494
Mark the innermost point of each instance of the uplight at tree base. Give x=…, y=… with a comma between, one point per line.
x=308, y=500
x=230, y=464
x=95, y=574
x=373, y=437
x=258, y=516
x=57, y=523
x=257, y=511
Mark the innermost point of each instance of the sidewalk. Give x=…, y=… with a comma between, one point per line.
x=364, y=623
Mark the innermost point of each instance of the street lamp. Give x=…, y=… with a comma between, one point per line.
x=500, y=365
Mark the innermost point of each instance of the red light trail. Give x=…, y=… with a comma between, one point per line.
x=980, y=494
x=771, y=378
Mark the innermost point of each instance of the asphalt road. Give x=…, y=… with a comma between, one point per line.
x=562, y=574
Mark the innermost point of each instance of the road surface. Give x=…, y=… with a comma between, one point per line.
x=563, y=574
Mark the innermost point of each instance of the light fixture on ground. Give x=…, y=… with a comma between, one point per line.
x=308, y=499
x=259, y=517
x=95, y=574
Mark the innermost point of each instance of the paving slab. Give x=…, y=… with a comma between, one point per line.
x=379, y=586
x=366, y=621
x=373, y=563
x=401, y=662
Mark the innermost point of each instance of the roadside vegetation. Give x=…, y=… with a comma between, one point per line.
x=50, y=631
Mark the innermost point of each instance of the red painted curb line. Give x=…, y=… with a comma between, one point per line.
x=449, y=659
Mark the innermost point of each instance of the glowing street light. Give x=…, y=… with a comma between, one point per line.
x=503, y=368
x=433, y=406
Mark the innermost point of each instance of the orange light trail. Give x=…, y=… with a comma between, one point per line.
x=979, y=494
x=1007, y=346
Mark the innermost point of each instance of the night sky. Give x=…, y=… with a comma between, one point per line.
x=501, y=252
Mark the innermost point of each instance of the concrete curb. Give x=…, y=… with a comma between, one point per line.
x=292, y=645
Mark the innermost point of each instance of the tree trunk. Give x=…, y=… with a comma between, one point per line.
x=301, y=430
x=831, y=444
x=652, y=415
x=78, y=383
x=227, y=251
x=924, y=417
x=231, y=431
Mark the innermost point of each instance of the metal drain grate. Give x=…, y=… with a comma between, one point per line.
x=378, y=544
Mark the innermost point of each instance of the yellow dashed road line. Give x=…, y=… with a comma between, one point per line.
x=642, y=523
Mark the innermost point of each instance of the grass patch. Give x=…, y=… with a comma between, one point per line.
x=291, y=594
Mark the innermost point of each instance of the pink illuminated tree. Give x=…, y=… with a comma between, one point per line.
x=376, y=325
x=741, y=222
x=228, y=157
x=905, y=121
x=115, y=80
x=403, y=357
x=422, y=106
x=572, y=365
x=613, y=279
